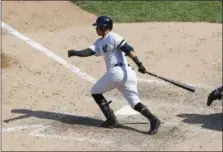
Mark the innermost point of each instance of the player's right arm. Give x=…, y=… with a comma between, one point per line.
x=81, y=53
x=92, y=50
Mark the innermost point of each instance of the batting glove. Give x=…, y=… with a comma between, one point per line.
x=70, y=53
x=141, y=69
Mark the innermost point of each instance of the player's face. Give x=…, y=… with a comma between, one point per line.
x=99, y=32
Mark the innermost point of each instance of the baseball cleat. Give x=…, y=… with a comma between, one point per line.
x=214, y=95
x=109, y=123
x=154, y=126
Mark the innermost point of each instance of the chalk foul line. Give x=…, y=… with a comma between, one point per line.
x=49, y=53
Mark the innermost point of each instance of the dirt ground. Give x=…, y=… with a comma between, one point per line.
x=45, y=106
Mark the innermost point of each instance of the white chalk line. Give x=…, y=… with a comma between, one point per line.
x=38, y=131
x=23, y=127
x=77, y=137
x=49, y=53
x=39, y=126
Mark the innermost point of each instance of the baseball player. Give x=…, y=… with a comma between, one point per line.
x=214, y=95
x=119, y=74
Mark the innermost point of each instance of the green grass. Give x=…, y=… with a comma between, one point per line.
x=141, y=11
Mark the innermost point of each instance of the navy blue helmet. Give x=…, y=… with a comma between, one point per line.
x=104, y=23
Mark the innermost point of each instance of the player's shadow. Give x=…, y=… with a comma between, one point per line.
x=64, y=118
x=210, y=121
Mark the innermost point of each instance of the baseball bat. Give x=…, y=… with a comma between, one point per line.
x=178, y=84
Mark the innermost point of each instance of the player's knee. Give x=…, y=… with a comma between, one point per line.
x=93, y=90
x=133, y=103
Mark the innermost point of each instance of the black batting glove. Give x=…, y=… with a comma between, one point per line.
x=71, y=53
x=214, y=95
x=141, y=69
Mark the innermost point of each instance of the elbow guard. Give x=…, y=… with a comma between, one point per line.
x=126, y=48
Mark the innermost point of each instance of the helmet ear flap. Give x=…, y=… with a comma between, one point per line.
x=111, y=27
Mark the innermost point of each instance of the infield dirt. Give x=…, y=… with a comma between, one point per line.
x=43, y=92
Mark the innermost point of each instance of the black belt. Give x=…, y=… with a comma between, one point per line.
x=120, y=64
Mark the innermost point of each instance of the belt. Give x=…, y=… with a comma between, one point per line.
x=120, y=64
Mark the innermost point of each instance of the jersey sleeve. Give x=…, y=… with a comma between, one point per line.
x=118, y=41
x=94, y=47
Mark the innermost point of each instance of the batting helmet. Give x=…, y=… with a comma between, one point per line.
x=104, y=23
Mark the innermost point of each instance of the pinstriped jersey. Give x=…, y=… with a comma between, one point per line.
x=108, y=47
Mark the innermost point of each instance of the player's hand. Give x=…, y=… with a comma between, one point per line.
x=70, y=53
x=141, y=69
x=215, y=94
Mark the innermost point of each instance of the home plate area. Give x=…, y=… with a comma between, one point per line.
x=183, y=116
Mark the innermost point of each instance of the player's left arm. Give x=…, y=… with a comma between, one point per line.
x=129, y=51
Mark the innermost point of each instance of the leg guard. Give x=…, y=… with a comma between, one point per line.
x=106, y=110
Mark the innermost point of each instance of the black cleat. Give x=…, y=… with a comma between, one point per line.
x=154, y=126
x=214, y=95
x=110, y=123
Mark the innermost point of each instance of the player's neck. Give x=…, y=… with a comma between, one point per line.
x=105, y=33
